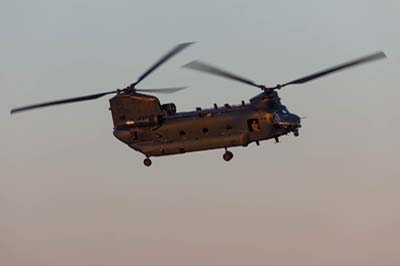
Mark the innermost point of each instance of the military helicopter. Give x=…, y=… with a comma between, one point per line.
x=156, y=129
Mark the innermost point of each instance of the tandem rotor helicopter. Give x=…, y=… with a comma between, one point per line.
x=156, y=129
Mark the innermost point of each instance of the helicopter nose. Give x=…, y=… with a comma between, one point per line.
x=291, y=120
x=296, y=120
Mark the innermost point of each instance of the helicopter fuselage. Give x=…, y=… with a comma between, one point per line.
x=219, y=127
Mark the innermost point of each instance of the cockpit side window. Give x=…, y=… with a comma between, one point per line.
x=285, y=110
x=253, y=125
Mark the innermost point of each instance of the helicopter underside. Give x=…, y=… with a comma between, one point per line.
x=156, y=148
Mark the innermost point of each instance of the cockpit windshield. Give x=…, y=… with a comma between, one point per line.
x=282, y=113
x=284, y=117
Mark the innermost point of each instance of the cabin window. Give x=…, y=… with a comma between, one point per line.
x=253, y=125
x=205, y=130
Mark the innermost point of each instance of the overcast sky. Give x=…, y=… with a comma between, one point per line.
x=72, y=194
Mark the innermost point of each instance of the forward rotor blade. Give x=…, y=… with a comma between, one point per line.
x=355, y=62
x=163, y=90
x=162, y=60
x=63, y=101
x=203, y=67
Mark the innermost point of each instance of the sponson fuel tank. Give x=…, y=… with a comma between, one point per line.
x=160, y=149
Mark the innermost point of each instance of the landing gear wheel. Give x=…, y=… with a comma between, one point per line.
x=147, y=162
x=228, y=156
x=296, y=133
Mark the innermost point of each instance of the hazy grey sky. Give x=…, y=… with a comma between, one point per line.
x=71, y=194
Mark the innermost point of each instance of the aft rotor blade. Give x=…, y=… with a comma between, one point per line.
x=163, y=90
x=63, y=101
x=355, y=62
x=162, y=60
x=204, y=67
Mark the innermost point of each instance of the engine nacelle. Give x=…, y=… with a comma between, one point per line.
x=170, y=108
x=149, y=121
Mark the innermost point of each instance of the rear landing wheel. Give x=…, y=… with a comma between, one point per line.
x=147, y=162
x=228, y=156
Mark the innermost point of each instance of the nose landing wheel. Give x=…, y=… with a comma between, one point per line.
x=147, y=162
x=227, y=156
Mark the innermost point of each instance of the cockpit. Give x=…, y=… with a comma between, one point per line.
x=283, y=117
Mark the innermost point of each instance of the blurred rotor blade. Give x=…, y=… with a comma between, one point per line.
x=162, y=60
x=203, y=67
x=63, y=101
x=163, y=90
x=355, y=62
